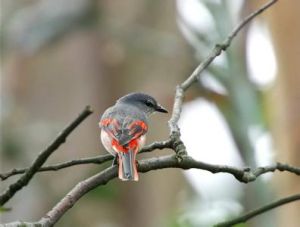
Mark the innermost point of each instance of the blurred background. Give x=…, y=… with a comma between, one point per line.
x=57, y=56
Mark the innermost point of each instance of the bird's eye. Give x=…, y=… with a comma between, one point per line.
x=149, y=103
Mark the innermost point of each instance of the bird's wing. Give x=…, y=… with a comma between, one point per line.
x=123, y=130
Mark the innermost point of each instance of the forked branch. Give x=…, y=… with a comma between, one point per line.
x=180, y=160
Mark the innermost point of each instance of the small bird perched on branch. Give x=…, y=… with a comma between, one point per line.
x=123, y=128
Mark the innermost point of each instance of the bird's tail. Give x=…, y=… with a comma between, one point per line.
x=127, y=166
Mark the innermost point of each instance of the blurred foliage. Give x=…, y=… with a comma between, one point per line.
x=228, y=85
x=34, y=26
x=110, y=192
x=11, y=141
x=174, y=221
x=4, y=209
x=241, y=225
x=28, y=26
x=10, y=146
x=241, y=104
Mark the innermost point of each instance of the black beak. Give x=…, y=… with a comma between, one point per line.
x=159, y=108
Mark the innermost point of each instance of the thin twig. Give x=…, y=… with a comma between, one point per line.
x=259, y=211
x=179, y=95
x=93, y=160
x=146, y=165
x=42, y=157
x=245, y=175
x=184, y=162
x=246, y=20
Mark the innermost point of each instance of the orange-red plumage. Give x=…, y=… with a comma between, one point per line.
x=124, y=126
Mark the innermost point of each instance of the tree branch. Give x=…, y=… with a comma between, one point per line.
x=244, y=175
x=259, y=211
x=174, y=161
x=93, y=160
x=146, y=165
x=42, y=157
x=180, y=89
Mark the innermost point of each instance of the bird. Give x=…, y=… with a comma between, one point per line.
x=123, y=130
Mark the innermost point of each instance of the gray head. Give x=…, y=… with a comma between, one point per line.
x=143, y=101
